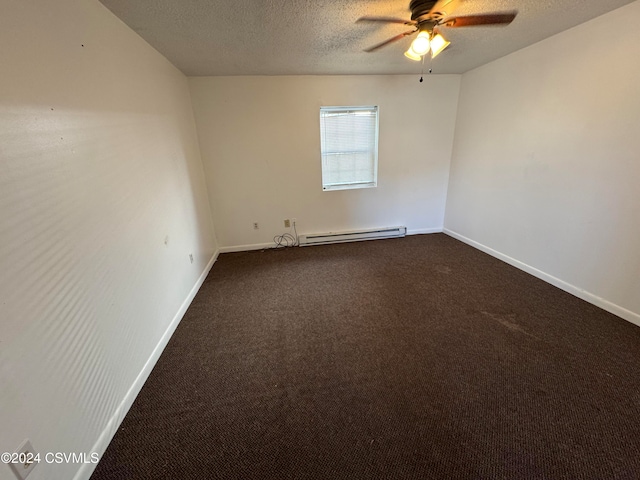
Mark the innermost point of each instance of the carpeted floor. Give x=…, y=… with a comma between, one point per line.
x=412, y=358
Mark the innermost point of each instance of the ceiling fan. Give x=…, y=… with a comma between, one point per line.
x=427, y=17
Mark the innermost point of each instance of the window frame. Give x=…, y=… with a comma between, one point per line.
x=327, y=187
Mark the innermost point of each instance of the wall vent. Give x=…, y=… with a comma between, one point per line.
x=353, y=236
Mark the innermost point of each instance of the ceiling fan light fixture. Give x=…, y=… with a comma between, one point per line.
x=412, y=55
x=421, y=45
x=438, y=44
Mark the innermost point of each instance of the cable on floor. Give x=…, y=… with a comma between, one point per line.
x=287, y=239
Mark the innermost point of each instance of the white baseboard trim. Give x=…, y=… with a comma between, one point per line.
x=246, y=248
x=567, y=287
x=264, y=246
x=421, y=231
x=114, y=422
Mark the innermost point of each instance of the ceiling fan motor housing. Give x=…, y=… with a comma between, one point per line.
x=420, y=9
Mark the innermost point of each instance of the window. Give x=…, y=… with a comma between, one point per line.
x=349, y=146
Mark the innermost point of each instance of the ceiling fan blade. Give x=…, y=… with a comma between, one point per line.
x=391, y=40
x=386, y=20
x=473, y=20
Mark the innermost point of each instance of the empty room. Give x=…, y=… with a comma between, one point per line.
x=376, y=239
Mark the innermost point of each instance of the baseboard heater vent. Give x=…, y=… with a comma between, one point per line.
x=354, y=236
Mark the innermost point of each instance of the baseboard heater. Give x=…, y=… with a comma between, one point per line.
x=353, y=236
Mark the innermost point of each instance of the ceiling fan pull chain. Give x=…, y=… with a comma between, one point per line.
x=430, y=69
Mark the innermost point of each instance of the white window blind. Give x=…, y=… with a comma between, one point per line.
x=349, y=145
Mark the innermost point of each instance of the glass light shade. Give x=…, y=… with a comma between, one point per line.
x=438, y=44
x=412, y=55
x=420, y=45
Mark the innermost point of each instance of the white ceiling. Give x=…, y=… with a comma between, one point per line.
x=320, y=37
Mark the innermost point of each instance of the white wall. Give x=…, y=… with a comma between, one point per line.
x=99, y=165
x=545, y=168
x=260, y=144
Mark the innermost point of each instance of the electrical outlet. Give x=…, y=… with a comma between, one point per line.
x=27, y=460
x=191, y=257
x=255, y=225
x=287, y=223
x=293, y=221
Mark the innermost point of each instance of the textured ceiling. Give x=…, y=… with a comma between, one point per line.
x=320, y=37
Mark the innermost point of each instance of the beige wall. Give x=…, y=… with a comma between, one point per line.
x=99, y=165
x=260, y=144
x=545, y=167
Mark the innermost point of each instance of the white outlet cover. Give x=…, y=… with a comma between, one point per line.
x=19, y=469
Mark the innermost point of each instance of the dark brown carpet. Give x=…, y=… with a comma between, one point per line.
x=412, y=358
